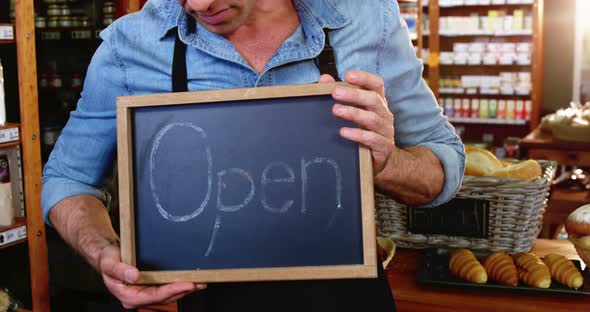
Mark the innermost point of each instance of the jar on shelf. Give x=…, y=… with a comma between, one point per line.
x=76, y=81
x=40, y=22
x=53, y=10
x=44, y=81
x=84, y=21
x=108, y=19
x=53, y=22
x=65, y=21
x=109, y=8
x=56, y=81
x=65, y=10
x=76, y=22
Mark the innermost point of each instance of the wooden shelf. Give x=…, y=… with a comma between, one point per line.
x=488, y=121
x=14, y=234
x=449, y=6
x=486, y=34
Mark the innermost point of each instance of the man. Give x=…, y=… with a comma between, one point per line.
x=248, y=43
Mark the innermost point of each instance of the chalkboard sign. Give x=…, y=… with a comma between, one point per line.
x=458, y=217
x=243, y=185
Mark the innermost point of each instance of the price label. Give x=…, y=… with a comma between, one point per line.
x=6, y=32
x=11, y=236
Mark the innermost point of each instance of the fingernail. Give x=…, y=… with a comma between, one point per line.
x=341, y=109
x=345, y=131
x=340, y=91
x=129, y=276
x=201, y=286
x=352, y=75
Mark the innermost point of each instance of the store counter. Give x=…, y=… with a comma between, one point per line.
x=402, y=270
x=411, y=297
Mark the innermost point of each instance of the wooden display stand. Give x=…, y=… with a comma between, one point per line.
x=32, y=220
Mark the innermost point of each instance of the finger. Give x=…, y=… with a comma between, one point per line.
x=110, y=264
x=368, y=99
x=325, y=78
x=376, y=142
x=366, y=81
x=366, y=119
x=137, y=295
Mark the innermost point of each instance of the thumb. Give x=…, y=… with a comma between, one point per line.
x=325, y=78
x=110, y=264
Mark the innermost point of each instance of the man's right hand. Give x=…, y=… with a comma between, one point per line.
x=119, y=277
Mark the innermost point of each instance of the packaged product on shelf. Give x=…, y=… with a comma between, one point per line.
x=457, y=109
x=474, y=59
x=2, y=97
x=483, y=108
x=6, y=209
x=510, y=110
x=466, y=108
x=528, y=107
x=501, y=111
x=474, y=108
x=449, y=107
x=498, y=2
x=517, y=20
x=490, y=26
x=490, y=59
x=519, y=111
x=493, y=109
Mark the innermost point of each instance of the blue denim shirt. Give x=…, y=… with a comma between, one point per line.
x=136, y=58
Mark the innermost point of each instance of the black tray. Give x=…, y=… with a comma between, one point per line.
x=434, y=271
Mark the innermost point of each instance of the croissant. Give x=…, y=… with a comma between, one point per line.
x=532, y=270
x=464, y=265
x=501, y=268
x=564, y=271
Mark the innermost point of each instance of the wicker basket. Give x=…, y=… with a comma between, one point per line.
x=515, y=214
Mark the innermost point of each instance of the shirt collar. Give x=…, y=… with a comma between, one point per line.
x=325, y=13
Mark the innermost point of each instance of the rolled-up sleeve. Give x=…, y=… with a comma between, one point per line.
x=378, y=42
x=85, y=150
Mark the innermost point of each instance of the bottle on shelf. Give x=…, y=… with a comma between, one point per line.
x=2, y=97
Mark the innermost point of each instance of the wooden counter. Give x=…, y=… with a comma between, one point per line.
x=401, y=273
x=409, y=296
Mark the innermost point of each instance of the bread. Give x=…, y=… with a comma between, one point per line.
x=578, y=222
x=563, y=270
x=532, y=270
x=525, y=171
x=480, y=162
x=463, y=264
x=501, y=268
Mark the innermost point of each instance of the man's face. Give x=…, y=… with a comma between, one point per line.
x=219, y=16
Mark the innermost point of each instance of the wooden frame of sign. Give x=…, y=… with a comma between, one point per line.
x=125, y=106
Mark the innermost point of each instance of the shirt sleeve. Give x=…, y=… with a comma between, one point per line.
x=380, y=44
x=85, y=150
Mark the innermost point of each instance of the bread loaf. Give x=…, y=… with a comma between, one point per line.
x=481, y=162
x=532, y=270
x=563, y=270
x=501, y=268
x=525, y=170
x=463, y=264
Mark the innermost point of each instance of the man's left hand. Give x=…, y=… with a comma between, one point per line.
x=373, y=116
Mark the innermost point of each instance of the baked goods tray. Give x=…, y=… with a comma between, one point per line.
x=434, y=272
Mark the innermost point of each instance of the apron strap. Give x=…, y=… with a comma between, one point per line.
x=179, y=74
x=325, y=62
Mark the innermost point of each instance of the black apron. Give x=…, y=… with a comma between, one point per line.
x=310, y=295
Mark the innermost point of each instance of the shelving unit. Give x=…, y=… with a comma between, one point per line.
x=442, y=42
x=30, y=227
